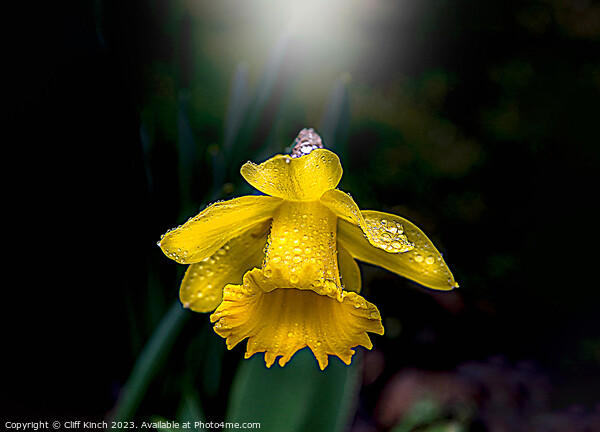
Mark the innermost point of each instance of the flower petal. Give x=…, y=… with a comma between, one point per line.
x=203, y=283
x=423, y=264
x=349, y=270
x=280, y=322
x=304, y=178
x=302, y=248
x=201, y=236
x=389, y=238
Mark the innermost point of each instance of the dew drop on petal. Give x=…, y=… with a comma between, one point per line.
x=268, y=272
x=330, y=286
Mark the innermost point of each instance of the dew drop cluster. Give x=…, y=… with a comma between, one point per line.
x=388, y=235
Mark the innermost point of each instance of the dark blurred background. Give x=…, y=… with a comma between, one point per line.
x=475, y=120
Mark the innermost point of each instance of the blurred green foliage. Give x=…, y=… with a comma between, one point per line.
x=475, y=120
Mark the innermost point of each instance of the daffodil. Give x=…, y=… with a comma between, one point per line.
x=280, y=268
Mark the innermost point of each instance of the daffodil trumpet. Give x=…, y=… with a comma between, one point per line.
x=280, y=269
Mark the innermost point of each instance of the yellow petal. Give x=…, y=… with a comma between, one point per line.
x=201, y=236
x=302, y=248
x=203, y=283
x=304, y=178
x=390, y=238
x=423, y=264
x=279, y=322
x=349, y=270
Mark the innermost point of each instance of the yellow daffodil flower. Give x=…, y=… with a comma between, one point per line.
x=280, y=268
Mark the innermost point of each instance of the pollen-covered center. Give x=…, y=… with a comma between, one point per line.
x=301, y=250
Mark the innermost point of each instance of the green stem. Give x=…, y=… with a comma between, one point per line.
x=149, y=362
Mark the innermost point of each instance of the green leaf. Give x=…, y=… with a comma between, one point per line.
x=149, y=362
x=336, y=118
x=161, y=424
x=242, y=143
x=239, y=97
x=298, y=397
x=191, y=411
x=187, y=152
x=447, y=426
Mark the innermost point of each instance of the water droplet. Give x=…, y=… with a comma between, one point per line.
x=429, y=260
x=268, y=272
x=419, y=258
x=290, y=334
x=330, y=286
x=294, y=278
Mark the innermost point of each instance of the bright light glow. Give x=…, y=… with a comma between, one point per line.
x=328, y=38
